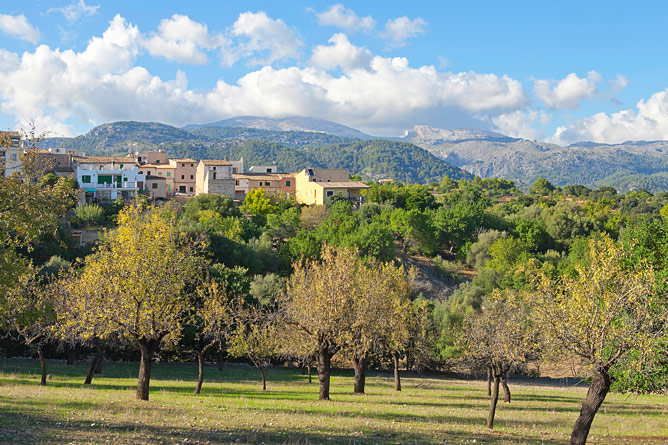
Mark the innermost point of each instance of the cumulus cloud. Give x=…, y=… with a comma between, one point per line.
x=75, y=11
x=522, y=124
x=18, y=26
x=399, y=30
x=648, y=122
x=344, y=18
x=181, y=39
x=258, y=33
x=567, y=93
x=68, y=89
x=341, y=53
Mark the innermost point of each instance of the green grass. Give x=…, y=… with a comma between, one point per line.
x=233, y=408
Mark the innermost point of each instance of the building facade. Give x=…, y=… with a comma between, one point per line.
x=107, y=178
x=315, y=186
x=215, y=177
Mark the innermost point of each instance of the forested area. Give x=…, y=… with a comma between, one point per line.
x=470, y=276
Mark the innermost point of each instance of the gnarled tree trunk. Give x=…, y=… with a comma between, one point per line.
x=489, y=381
x=147, y=348
x=42, y=362
x=264, y=380
x=324, y=367
x=99, y=356
x=308, y=367
x=506, y=390
x=360, y=375
x=598, y=389
x=98, y=365
x=492, y=402
x=397, y=378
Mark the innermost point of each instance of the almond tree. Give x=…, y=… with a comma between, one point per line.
x=497, y=338
x=608, y=314
x=318, y=302
x=134, y=285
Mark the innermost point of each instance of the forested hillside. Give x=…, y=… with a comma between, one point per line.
x=291, y=150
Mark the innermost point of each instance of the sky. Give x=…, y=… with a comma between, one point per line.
x=559, y=71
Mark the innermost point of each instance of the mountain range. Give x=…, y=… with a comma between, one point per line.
x=424, y=154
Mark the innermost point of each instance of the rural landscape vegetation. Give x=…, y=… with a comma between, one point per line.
x=305, y=223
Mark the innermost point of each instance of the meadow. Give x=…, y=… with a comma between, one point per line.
x=233, y=408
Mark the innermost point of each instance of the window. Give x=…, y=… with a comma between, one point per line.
x=214, y=168
x=330, y=193
x=182, y=188
x=235, y=170
x=160, y=173
x=141, y=172
x=268, y=184
x=269, y=170
x=192, y=165
x=154, y=185
x=191, y=189
x=183, y=176
x=169, y=189
x=183, y=165
x=214, y=175
x=85, y=179
x=191, y=177
x=169, y=174
x=288, y=183
x=157, y=161
x=236, y=182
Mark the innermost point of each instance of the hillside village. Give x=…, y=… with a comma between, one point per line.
x=155, y=174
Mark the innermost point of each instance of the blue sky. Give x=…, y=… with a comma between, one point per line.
x=559, y=71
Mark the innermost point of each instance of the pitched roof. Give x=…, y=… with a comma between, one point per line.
x=105, y=159
x=153, y=177
x=342, y=185
x=214, y=162
x=182, y=160
x=263, y=176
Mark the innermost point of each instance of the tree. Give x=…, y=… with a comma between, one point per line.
x=610, y=315
x=254, y=336
x=542, y=187
x=318, y=302
x=499, y=340
x=134, y=285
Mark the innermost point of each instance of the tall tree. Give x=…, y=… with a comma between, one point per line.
x=609, y=314
x=134, y=285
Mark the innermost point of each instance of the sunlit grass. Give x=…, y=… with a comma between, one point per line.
x=233, y=408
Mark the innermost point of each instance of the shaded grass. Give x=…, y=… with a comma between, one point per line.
x=233, y=408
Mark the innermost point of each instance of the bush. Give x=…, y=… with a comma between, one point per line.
x=449, y=269
x=89, y=214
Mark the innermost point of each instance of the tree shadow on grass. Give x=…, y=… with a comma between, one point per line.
x=30, y=427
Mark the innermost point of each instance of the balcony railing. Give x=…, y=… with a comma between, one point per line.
x=127, y=185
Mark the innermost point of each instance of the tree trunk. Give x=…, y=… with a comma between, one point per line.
x=324, y=365
x=264, y=381
x=397, y=378
x=42, y=361
x=148, y=348
x=71, y=355
x=200, y=374
x=506, y=390
x=99, y=355
x=489, y=381
x=98, y=365
x=308, y=367
x=598, y=389
x=492, y=402
x=360, y=375
x=219, y=356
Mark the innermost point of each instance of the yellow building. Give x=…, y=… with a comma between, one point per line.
x=318, y=185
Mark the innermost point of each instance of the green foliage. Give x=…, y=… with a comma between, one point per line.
x=220, y=204
x=542, y=187
x=89, y=214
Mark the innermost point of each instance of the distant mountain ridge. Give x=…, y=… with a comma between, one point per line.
x=625, y=166
x=304, y=124
x=291, y=150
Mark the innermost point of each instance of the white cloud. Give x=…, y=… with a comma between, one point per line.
x=181, y=39
x=258, y=33
x=399, y=30
x=74, y=11
x=68, y=89
x=619, y=83
x=18, y=26
x=522, y=124
x=567, y=93
x=648, y=122
x=344, y=18
x=341, y=53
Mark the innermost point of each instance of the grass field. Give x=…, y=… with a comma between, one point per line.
x=233, y=408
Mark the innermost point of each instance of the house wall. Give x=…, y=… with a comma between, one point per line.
x=185, y=172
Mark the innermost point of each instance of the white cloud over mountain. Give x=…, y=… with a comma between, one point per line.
x=649, y=121
x=181, y=39
x=567, y=93
x=18, y=26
